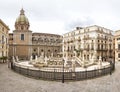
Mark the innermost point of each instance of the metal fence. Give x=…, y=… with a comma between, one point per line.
x=58, y=75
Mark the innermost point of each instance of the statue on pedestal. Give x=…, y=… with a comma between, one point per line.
x=13, y=58
x=45, y=60
x=100, y=62
x=94, y=59
x=42, y=54
x=73, y=65
x=17, y=58
x=65, y=63
x=52, y=55
x=30, y=60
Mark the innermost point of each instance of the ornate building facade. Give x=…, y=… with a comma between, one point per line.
x=4, y=29
x=89, y=43
x=24, y=44
x=117, y=45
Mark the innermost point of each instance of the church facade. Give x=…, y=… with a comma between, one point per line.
x=24, y=44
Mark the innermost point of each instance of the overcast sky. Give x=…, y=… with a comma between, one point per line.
x=61, y=16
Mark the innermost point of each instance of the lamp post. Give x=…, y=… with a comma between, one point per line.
x=63, y=61
x=63, y=72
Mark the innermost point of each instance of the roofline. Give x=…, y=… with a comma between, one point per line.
x=4, y=24
x=88, y=27
x=46, y=34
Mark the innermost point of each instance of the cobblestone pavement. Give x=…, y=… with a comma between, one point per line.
x=14, y=82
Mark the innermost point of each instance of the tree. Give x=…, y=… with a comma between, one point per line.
x=3, y=58
x=78, y=51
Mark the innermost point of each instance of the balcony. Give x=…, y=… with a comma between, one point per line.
x=87, y=49
x=118, y=50
x=78, y=40
x=101, y=38
x=87, y=38
x=91, y=48
x=101, y=49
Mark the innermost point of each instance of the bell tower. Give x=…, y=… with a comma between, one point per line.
x=22, y=36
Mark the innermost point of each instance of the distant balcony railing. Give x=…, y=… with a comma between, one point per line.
x=101, y=49
x=87, y=38
x=101, y=38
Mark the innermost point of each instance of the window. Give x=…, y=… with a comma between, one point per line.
x=74, y=47
x=118, y=38
x=118, y=46
x=2, y=28
x=6, y=41
x=2, y=39
x=118, y=55
x=21, y=27
x=110, y=46
x=98, y=46
x=22, y=36
x=102, y=46
x=68, y=48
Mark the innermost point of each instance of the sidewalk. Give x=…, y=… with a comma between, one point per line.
x=14, y=82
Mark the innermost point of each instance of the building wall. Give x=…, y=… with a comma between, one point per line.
x=93, y=41
x=24, y=44
x=42, y=43
x=117, y=44
x=3, y=39
x=21, y=47
x=47, y=44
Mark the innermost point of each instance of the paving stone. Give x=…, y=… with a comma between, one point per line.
x=14, y=82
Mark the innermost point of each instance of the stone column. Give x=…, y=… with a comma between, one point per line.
x=45, y=60
x=30, y=62
x=13, y=58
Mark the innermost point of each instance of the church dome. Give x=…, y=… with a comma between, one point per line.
x=22, y=19
x=22, y=23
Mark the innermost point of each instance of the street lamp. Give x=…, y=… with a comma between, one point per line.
x=63, y=72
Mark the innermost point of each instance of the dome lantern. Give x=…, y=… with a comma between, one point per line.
x=22, y=12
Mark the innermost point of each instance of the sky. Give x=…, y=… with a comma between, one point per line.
x=62, y=16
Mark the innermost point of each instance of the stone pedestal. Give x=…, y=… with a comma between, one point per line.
x=31, y=60
x=45, y=60
x=73, y=65
x=100, y=62
x=17, y=58
x=13, y=58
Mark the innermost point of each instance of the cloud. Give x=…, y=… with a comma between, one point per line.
x=80, y=22
x=62, y=14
